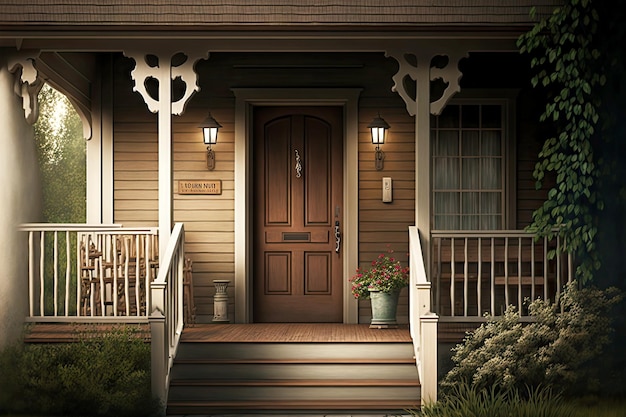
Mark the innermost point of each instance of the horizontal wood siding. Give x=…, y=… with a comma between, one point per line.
x=209, y=219
x=530, y=140
x=135, y=154
x=383, y=227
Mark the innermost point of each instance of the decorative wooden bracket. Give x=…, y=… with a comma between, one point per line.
x=166, y=67
x=409, y=67
x=28, y=83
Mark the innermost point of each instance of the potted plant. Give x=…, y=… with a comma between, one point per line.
x=381, y=283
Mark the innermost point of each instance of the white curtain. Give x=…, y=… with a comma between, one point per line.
x=467, y=171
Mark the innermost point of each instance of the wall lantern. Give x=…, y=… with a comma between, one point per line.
x=378, y=126
x=210, y=127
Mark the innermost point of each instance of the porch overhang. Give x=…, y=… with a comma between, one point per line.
x=285, y=40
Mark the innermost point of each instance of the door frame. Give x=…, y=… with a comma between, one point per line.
x=245, y=100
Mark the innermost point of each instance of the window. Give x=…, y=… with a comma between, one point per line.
x=468, y=145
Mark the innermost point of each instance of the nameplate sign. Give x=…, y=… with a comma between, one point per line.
x=213, y=187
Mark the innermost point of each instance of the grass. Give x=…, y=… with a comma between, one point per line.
x=467, y=401
x=603, y=408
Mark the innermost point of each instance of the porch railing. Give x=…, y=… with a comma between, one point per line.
x=478, y=273
x=166, y=313
x=80, y=272
x=423, y=322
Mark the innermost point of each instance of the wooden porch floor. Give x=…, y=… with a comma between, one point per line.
x=293, y=332
x=250, y=333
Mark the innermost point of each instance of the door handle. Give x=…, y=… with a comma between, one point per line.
x=337, y=237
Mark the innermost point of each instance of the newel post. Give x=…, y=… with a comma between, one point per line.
x=159, y=350
x=429, y=357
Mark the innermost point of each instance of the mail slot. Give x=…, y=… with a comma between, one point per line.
x=296, y=236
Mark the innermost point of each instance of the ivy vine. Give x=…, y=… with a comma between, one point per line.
x=566, y=66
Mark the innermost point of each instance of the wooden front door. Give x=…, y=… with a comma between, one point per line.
x=297, y=206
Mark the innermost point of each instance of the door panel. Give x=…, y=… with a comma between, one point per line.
x=297, y=272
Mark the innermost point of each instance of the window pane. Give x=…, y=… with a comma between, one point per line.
x=490, y=222
x=492, y=116
x=446, y=203
x=491, y=174
x=471, y=173
x=470, y=203
x=471, y=143
x=449, y=117
x=470, y=116
x=469, y=222
x=446, y=223
x=490, y=203
x=447, y=144
x=446, y=174
x=491, y=143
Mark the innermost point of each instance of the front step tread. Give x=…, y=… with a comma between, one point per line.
x=178, y=407
x=294, y=361
x=299, y=382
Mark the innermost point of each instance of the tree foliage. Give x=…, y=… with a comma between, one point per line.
x=62, y=160
x=571, y=55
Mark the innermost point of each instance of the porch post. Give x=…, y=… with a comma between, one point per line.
x=166, y=213
x=20, y=183
x=417, y=65
x=165, y=72
x=422, y=160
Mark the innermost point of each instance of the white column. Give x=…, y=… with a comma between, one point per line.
x=422, y=160
x=21, y=198
x=166, y=212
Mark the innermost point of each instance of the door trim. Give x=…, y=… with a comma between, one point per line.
x=245, y=100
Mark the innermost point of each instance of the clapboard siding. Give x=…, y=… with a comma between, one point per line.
x=530, y=138
x=209, y=219
x=384, y=226
x=135, y=154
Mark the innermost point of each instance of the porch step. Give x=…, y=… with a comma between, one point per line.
x=293, y=378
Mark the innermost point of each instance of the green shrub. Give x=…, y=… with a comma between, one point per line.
x=100, y=375
x=464, y=400
x=556, y=349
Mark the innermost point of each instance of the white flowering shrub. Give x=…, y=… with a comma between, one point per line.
x=556, y=349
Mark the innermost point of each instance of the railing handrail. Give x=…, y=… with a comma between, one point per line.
x=166, y=312
x=481, y=233
x=75, y=227
x=423, y=322
x=28, y=227
x=170, y=250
